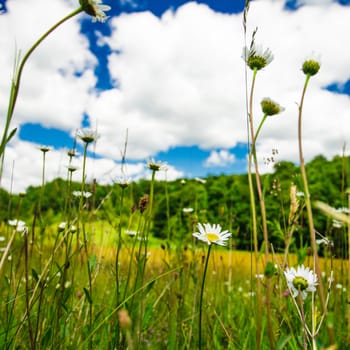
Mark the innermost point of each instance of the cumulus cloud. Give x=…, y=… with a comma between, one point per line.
x=219, y=159
x=179, y=79
x=24, y=161
x=58, y=77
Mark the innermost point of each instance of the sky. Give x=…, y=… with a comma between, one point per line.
x=167, y=78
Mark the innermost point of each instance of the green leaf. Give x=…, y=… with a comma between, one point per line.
x=87, y=294
x=12, y=133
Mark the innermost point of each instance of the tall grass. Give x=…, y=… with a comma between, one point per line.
x=91, y=283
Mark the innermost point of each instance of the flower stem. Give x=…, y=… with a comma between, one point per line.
x=308, y=203
x=201, y=299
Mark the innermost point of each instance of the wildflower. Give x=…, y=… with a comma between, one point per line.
x=311, y=67
x=71, y=168
x=124, y=181
x=344, y=210
x=82, y=194
x=44, y=149
x=71, y=153
x=256, y=57
x=63, y=226
x=87, y=135
x=2, y=238
x=187, y=210
x=130, y=232
x=270, y=107
x=301, y=280
x=19, y=225
x=202, y=181
x=156, y=166
x=212, y=234
x=96, y=9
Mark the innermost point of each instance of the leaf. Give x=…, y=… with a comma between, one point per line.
x=12, y=133
x=35, y=275
x=87, y=294
x=92, y=262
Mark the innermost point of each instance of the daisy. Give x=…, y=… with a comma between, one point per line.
x=256, y=57
x=87, y=135
x=212, y=234
x=124, y=181
x=19, y=225
x=156, y=166
x=96, y=9
x=84, y=194
x=301, y=280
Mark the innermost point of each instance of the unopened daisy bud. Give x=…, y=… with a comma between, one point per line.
x=124, y=319
x=270, y=107
x=311, y=67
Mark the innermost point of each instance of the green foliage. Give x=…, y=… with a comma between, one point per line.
x=223, y=199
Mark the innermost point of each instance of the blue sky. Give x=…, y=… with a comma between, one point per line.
x=169, y=73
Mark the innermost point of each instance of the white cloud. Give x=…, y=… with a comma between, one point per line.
x=51, y=93
x=220, y=158
x=180, y=78
x=24, y=161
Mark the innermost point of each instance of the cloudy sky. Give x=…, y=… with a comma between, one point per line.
x=169, y=74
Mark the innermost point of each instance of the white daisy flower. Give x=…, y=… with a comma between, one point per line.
x=212, y=234
x=87, y=135
x=256, y=57
x=301, y=280
x=19, y=225
x=124, y=181
x=82, y=194
x=156, y=166
x=96, y=9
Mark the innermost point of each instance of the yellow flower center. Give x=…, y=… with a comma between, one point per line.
x=300, y=283
x=212, y=237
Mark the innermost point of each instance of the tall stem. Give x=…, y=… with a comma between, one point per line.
x=201, y=300
x=316, y=266
x=253, y=215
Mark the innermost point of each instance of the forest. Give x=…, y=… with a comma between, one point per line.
x=180, y=204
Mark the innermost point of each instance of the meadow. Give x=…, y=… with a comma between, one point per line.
x=160, y=268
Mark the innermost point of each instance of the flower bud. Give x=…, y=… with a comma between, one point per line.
x=270, y=107
x=311, y=67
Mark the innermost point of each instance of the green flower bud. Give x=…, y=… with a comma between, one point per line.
x=311, y=67
x=270, y=107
